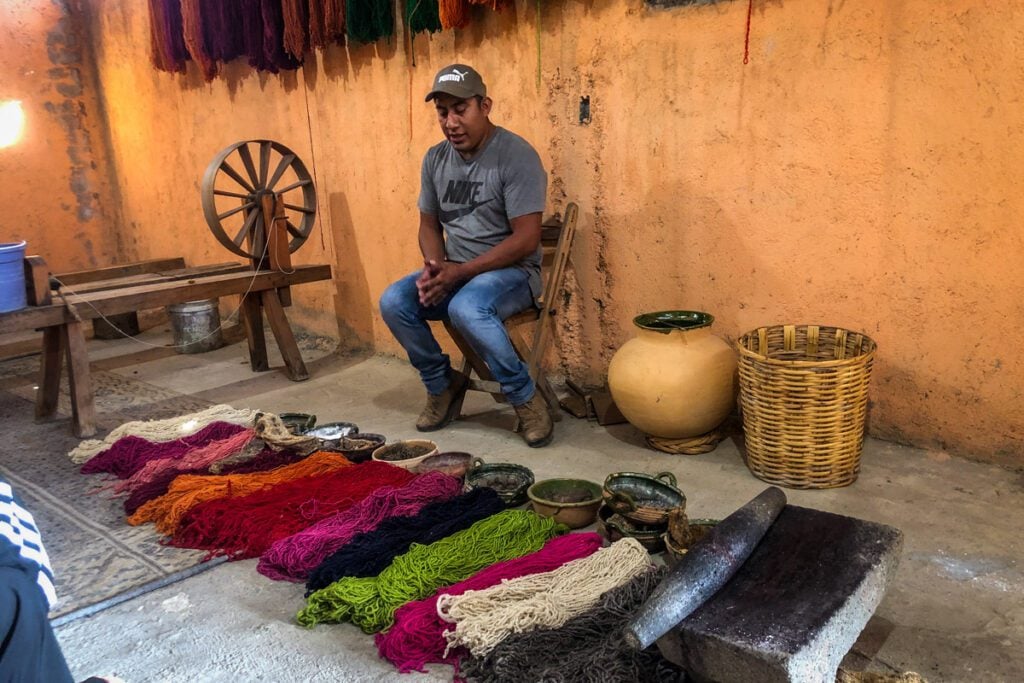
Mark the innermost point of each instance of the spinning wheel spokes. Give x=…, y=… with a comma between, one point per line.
x=236, y=184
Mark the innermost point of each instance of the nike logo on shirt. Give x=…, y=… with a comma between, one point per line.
x=449, y=216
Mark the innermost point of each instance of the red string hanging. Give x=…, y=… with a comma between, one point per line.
x=746, y=43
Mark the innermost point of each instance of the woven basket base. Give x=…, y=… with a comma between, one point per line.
x=705, y=443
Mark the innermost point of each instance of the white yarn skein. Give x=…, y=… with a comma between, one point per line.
x=486, y=617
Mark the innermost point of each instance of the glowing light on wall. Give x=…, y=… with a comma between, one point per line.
x=12, y=122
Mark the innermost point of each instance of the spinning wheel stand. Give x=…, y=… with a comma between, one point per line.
x=276, y=211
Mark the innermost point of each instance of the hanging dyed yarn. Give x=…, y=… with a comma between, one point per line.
x=417, y=636
x=245, y=527
x=366, y=21
x=222, y=29
x=252, y=34
x=273, y=37
x=293, y=558
x=326, y=22
x=370, y=602
x=186, y=491
x=422, y=15
x=165, y=32
x=370, y=553
x=496, y=5
x=483, y=618
x=163, y=430
x=453, y=13
x=589, y=648
x=129, y=454
x=295, y=14
x=195, y=41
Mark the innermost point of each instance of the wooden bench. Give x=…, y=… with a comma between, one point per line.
x=105, y=292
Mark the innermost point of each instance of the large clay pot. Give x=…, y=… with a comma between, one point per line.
x=674, y=380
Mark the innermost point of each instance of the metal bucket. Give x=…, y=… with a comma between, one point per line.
x=195, y=326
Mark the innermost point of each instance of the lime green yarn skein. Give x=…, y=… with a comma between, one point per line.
x=370, y=603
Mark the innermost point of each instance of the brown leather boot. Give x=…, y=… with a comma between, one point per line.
x=442, y=408
x=535, y=421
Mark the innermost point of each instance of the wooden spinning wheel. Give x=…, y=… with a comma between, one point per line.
x=259, y=201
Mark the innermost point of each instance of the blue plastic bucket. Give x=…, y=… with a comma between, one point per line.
x=12, y=276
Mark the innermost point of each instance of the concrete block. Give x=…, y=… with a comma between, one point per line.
x=795, y=607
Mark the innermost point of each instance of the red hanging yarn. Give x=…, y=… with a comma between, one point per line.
x=417, y=639
x=296, y=24
x=192, y=27
x=453, y=13
x=245, y=527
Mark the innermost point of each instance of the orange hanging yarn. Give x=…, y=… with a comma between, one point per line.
x=453, y=13
x=189, y=490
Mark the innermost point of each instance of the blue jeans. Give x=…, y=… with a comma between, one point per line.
x=476, y=309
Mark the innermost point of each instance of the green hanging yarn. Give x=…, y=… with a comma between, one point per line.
x=369, y=20
x=423, y=15
x=370, y=602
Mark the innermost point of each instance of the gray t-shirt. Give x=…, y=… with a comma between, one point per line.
x=474, y=200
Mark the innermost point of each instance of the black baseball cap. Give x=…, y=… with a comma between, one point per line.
x=458, y=80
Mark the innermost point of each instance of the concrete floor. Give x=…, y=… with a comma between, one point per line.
x=956, y=610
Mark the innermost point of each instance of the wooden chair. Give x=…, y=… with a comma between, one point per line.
x=556, y=239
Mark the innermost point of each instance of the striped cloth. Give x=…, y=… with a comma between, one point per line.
x=20, y=543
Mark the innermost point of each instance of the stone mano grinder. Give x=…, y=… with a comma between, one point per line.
x=775, y=592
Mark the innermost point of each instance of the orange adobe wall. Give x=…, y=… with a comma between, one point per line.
x=56, y=190
x=862, y=170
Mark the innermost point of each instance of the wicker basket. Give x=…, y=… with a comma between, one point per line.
x=804, y=397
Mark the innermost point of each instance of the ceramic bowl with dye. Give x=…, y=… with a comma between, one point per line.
x=452, y=463
x=614, y=526
x=643, y=498
x=357, y=447
x=332, y=431
x=573, y=502
x=511, y=481
x=298, y=423
x=407, y=453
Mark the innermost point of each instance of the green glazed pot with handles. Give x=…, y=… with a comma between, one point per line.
x=674, y=379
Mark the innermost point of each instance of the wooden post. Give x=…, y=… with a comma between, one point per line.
x=83, y=410
x=49, y=371
x=252, y=319
x=278, y=254
x=37, y=281
x=285, y=338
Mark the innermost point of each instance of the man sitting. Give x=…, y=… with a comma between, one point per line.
x=482, y=193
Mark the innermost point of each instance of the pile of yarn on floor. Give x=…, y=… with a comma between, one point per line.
x=438, y=574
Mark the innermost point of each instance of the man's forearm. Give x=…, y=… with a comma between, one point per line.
x=508, y=252
x=431, y=243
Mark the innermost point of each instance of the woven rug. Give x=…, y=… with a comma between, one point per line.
x=97, y=558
